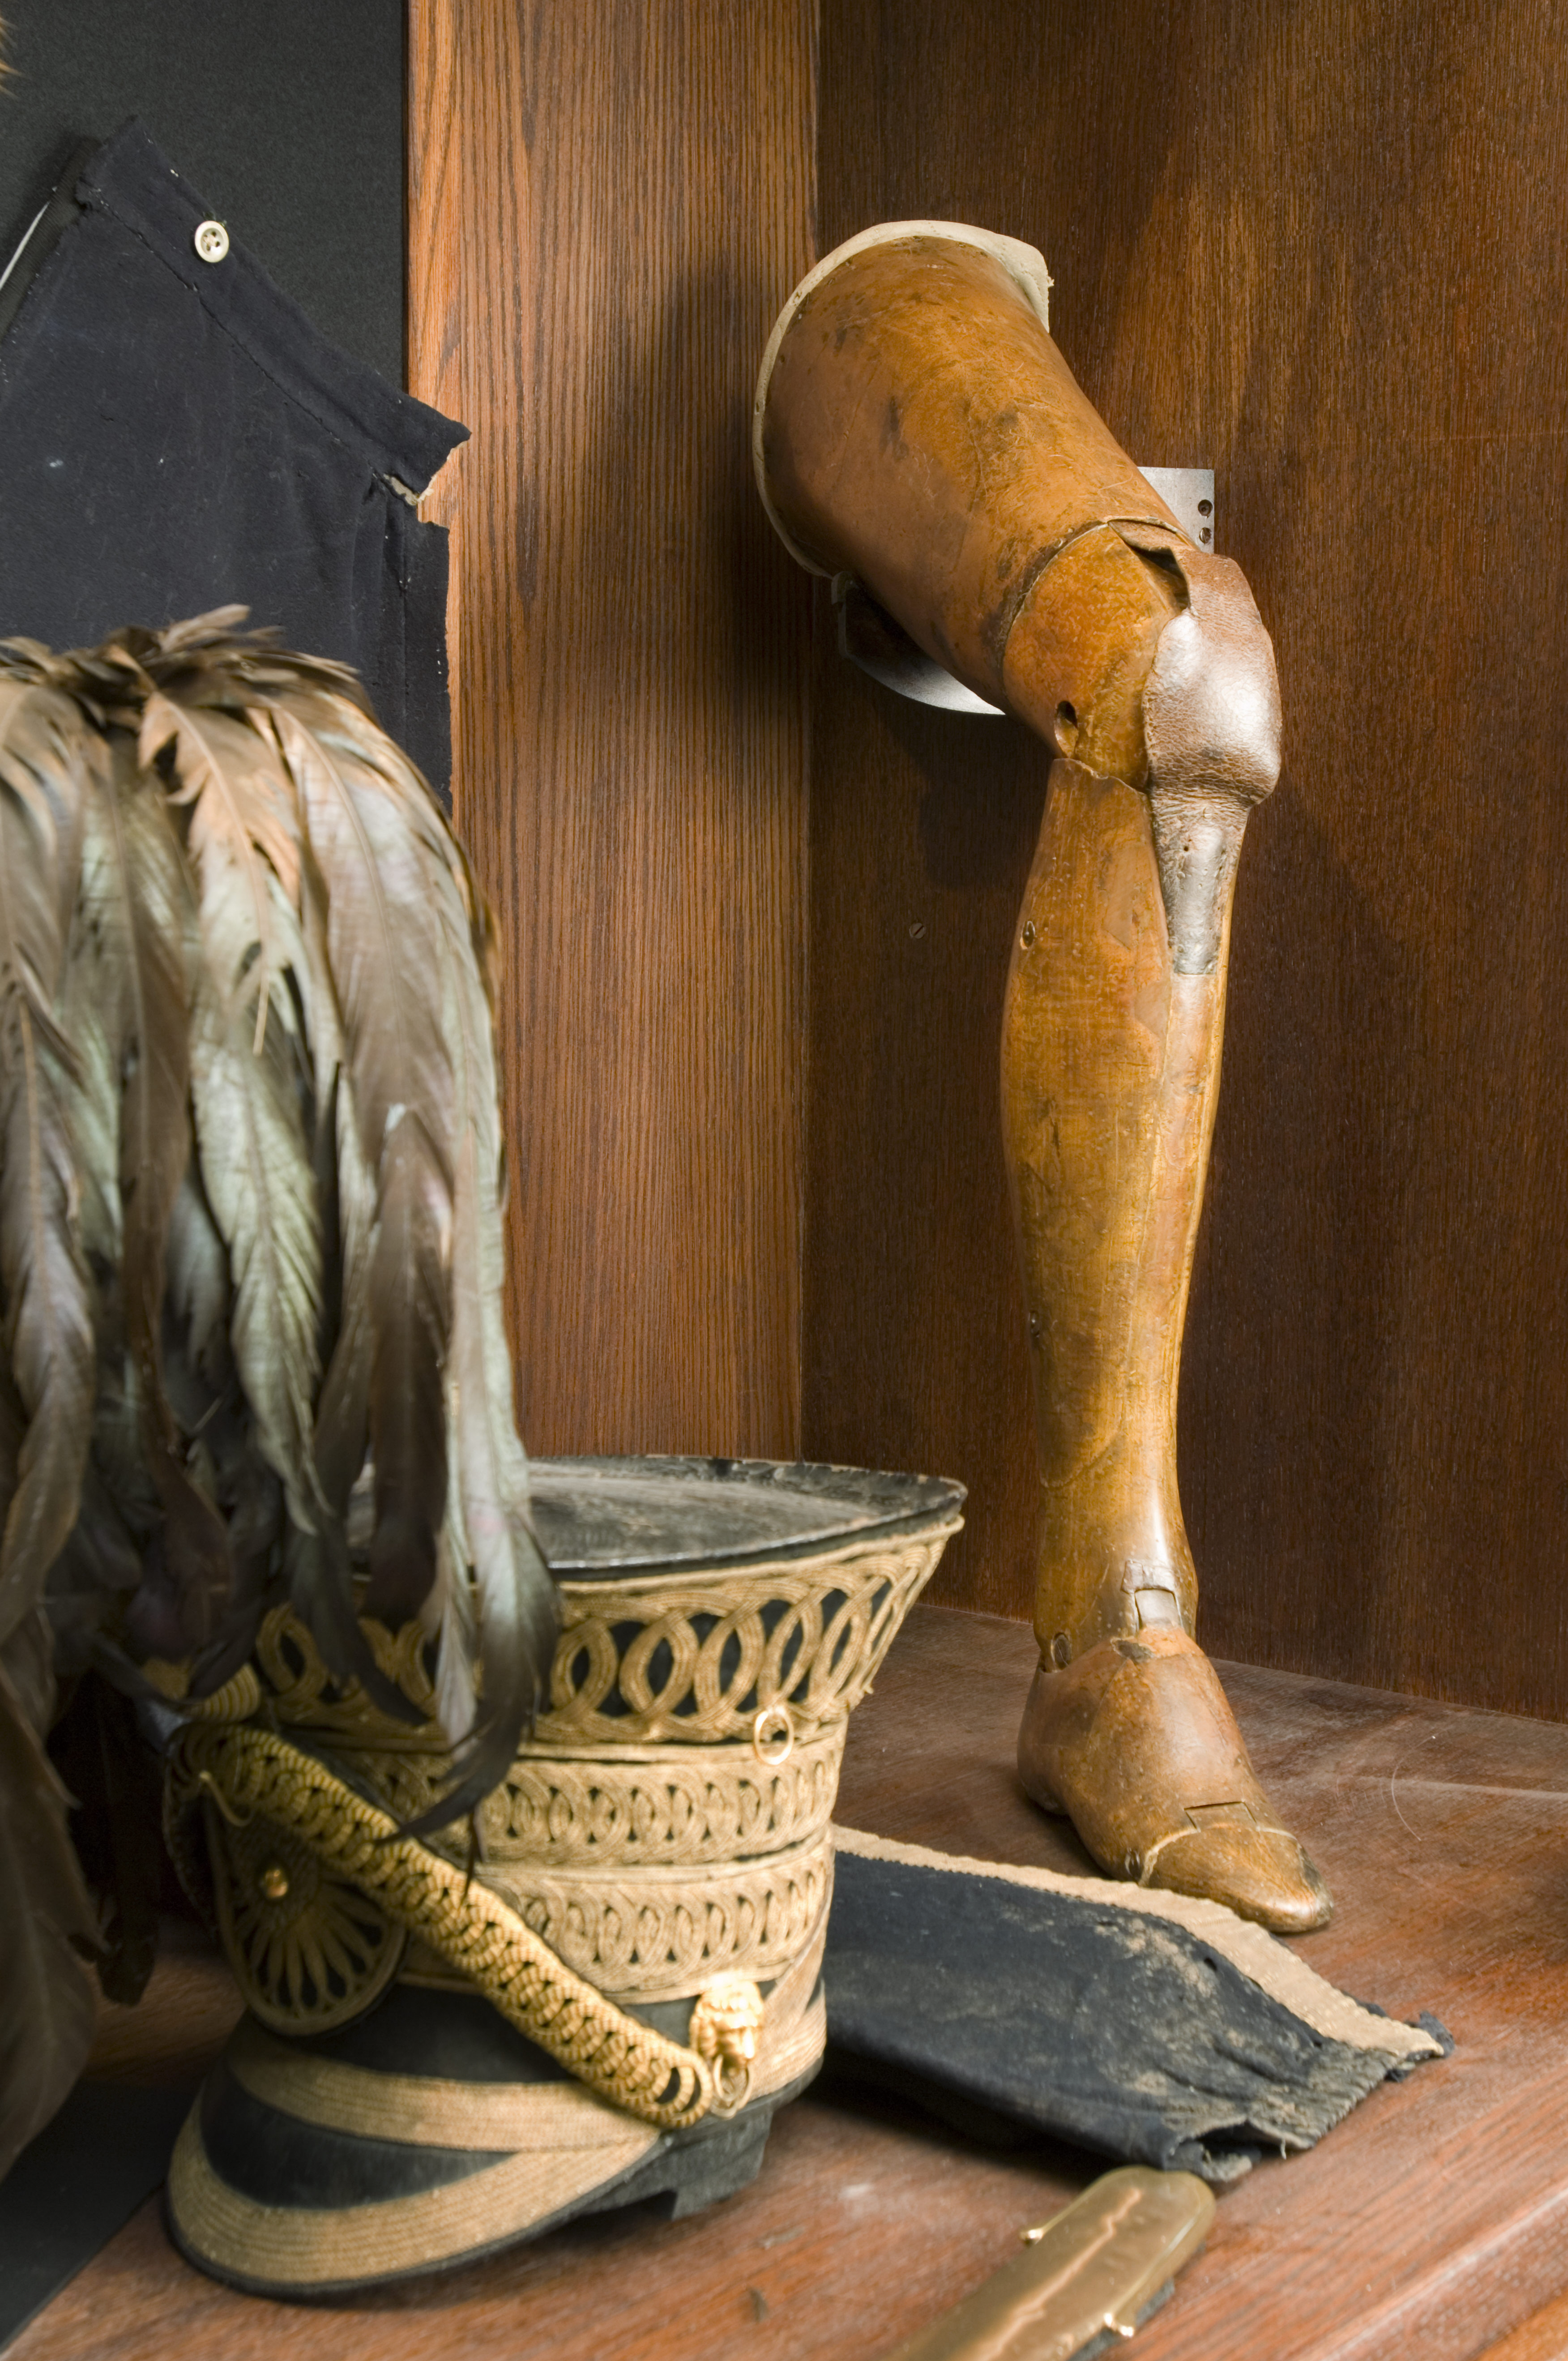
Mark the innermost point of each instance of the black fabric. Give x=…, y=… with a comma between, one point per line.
x=1119, y=2031
x=175, y=436
x=75, y=2185
x=280, y=2160
x=44, y=232
x=453, y=2037
x=288, y=116
x=459, y=2037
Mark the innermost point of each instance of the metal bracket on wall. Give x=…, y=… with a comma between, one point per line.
x=1188, y=494
x=869, y=636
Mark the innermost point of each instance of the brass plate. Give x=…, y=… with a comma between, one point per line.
x=1097, y=2269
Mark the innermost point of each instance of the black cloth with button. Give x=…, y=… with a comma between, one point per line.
x=175, y=436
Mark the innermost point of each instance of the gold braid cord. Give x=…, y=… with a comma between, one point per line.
x=251, y=1772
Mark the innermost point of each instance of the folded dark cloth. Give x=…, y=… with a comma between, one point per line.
x=1144, y=2025
x=175, y=436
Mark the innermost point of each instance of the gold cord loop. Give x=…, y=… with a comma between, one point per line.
x=251, y=1773
x=772, y=1736
x=214, y=1794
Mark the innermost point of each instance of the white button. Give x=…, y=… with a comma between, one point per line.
x=212, y=241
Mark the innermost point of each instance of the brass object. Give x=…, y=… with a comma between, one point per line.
x=725, y=2025
x=917, y=430
x=1097, y=2269
x=309, y=1950
x=772, y=1736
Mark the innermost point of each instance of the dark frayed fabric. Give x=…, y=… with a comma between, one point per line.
x=176, y=436
x=1023, y=2009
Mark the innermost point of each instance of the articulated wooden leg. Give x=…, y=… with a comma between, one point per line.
x=1110, y=1074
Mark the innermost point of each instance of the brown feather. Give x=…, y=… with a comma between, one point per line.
x=27, y=1657
x=371, y=844
x=212, y=1413
x=239, y=827
x=249, y=1065
x=514, y=1595
x=47, y=2012
x=150, y=909
x=44, y=750
x=260, y=1182
x=46, y=2015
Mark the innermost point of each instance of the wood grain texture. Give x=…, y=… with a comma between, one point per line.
x=1543, y=2338
x=1290, y=243
x=605, y=202
x=1433, y=2221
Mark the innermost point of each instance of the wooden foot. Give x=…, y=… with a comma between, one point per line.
x=1135, y=1742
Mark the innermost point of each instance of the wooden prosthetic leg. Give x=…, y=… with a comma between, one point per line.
x=1110, y=1075
x=918, y=430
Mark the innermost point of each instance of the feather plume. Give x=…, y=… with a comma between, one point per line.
x=46, y=2013
x=44, y=752
x=347, y=1184
x=240, y=827
x=372, y=848
x=99, y=1562
x=198, y=1295
x=250, y=1230
x=136, y=897
x=27, y=1659
x=258, y=1177
x=517, y=1608
x=85, y=1015
x=210, y=1405
x=46, y=1921
x=264, y=1095
x=409, y=948
x=250, y=1078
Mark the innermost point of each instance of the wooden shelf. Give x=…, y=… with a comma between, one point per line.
x=1434, y=2220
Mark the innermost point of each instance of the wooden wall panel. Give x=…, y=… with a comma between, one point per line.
x=606, y=203
x=1319, y=246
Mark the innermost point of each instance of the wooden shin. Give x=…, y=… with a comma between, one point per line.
x=917, y=430
x=1110, y=1075
x=1110, y=1067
